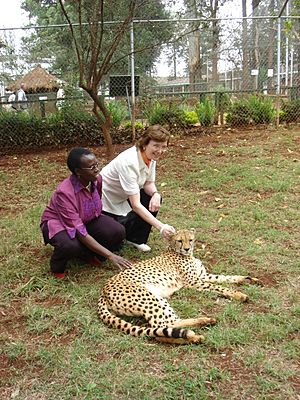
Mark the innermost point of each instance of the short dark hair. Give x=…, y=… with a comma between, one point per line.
x=153, y=132
x=74, y=157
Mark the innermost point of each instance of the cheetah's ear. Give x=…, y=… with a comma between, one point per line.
x=170, y=237
x=193, y=230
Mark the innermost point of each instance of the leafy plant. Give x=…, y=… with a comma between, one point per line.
x=137, y=124
x=118, y=113
x=255, y=109
x=239, y=113
x=205, y=112
x=290, y=111
x=190, y=117
x=261, y=109
x=170, y=114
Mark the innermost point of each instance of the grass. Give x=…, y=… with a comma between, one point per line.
x=240, y=190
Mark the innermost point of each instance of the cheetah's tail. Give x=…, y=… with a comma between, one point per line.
x=173, y=333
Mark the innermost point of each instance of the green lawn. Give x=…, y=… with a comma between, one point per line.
x=240, y=190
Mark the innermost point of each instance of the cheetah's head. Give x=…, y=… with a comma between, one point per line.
x=182, y=242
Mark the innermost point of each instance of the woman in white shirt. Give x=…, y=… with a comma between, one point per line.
x=129, y=192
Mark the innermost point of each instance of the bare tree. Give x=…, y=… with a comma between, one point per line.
x=90, y=42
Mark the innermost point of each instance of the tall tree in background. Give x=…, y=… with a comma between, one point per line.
x=204, y=37
x=52, y=44
x=95, y=45
x=194, y=45
x=9, y=58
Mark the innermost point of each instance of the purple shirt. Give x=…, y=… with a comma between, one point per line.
x=72, y=205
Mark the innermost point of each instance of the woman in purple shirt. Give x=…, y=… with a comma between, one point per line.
x=73, y=222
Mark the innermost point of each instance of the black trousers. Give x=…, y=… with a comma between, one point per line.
x=104, y=230
x=137, y=230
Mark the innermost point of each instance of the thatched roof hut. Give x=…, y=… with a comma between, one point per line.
x=38, y=80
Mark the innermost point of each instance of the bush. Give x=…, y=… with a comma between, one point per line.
x=261, y=109
x=163, y=114
x=137, y=125
x=290, y=111
x=205, y=112
x=25, y=130
x=239, y=113
x=255, y=109
x=118, y=113
x=190, y=116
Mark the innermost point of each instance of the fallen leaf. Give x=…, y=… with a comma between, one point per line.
x=258, y=241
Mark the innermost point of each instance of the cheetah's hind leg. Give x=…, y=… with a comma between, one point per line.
x=202, y=321
x=191, y=338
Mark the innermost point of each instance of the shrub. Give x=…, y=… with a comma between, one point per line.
x=290, y=111
x=25, y=130
x=254, y=109
x=162, y=114
x=190, y=117
x=137, y=124
x=239, y=113
x=261, y=109
x=118, y=113
x=205, y=112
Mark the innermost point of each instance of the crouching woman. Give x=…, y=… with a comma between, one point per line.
x=73, y=222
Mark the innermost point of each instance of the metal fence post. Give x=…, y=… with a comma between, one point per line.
x=132, y=81
x=278, y=69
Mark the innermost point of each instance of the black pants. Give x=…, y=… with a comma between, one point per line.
x=137, y=230
x=104, y=230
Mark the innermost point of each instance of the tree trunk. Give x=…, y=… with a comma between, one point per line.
x=215, y=42
x=104, y=120
x=194, y=48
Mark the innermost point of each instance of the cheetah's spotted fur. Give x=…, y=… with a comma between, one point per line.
x=142, y=291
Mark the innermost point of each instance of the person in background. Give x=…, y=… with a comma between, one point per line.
x=73, y=222
x=60, y=95
x=11, y=98
x=130, y=195
x=21, y=98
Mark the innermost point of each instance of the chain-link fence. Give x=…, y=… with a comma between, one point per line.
x=180, y=73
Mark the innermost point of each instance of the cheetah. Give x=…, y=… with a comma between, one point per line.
x=142, y=290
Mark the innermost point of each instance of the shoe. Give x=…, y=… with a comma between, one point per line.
x=58, y=275
x=141, y=247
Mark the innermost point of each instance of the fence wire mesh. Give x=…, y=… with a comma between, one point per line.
x=185, y=73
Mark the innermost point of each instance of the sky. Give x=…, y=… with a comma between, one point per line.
x=11, y=15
